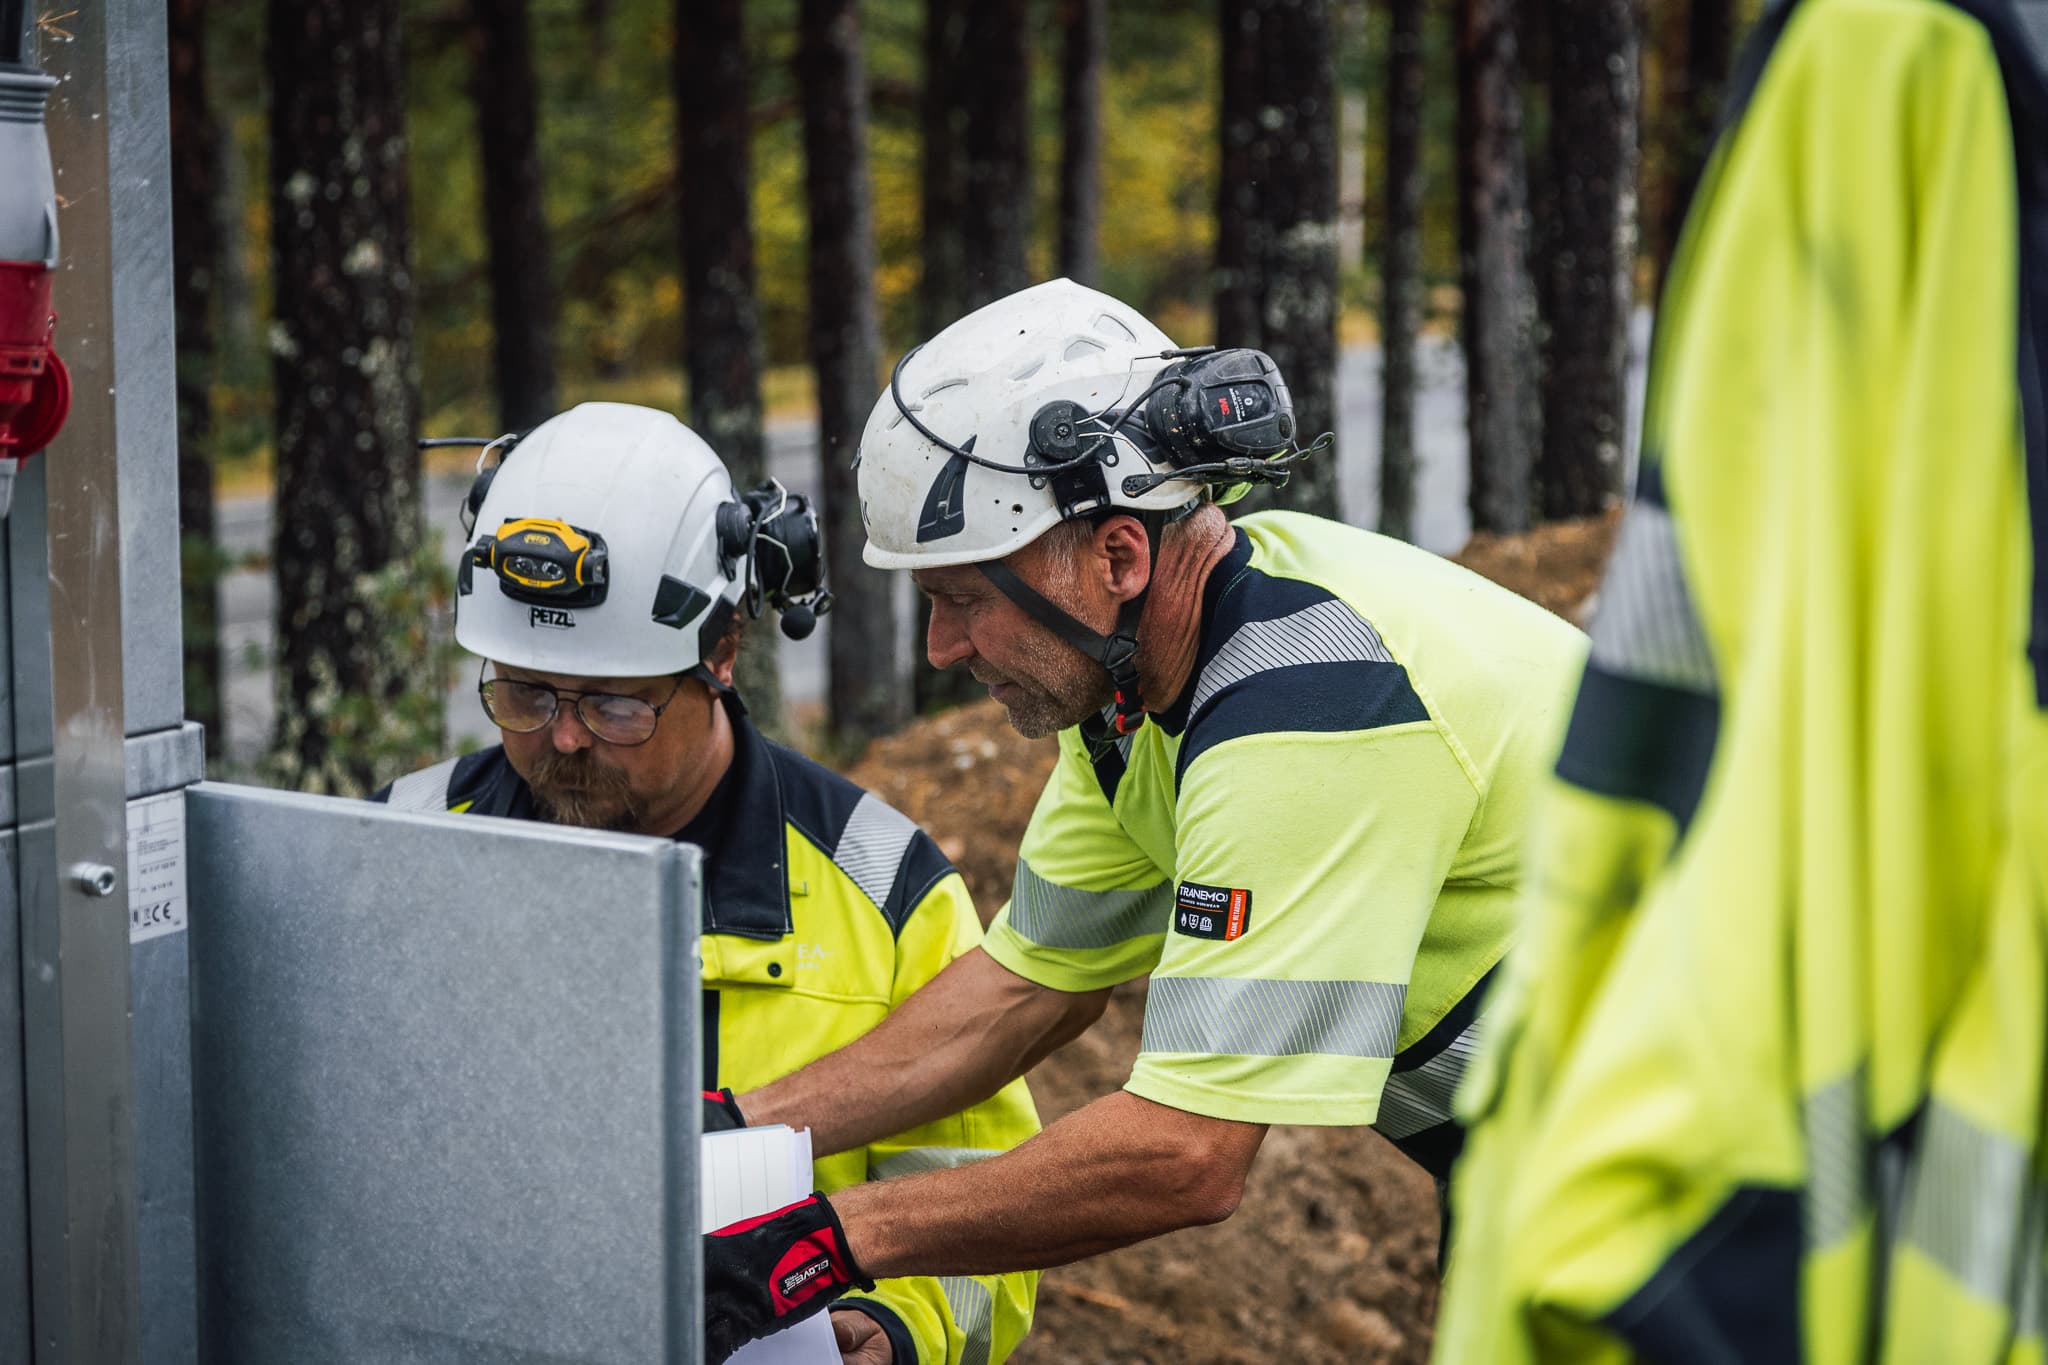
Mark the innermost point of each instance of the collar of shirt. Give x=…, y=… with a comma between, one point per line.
x=741, y=830
x=1174, y=718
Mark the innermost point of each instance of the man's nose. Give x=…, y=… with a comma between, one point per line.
x=945, y=638
x=568, y=730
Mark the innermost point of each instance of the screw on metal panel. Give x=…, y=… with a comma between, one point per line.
x=94, y=879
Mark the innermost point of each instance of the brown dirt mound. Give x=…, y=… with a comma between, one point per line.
x=1332, y=1258
x=1558, y=565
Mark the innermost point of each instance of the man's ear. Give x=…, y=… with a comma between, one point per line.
x=1121, y=543
x=724, y=657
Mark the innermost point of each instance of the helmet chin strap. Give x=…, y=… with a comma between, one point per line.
x=1117, y=652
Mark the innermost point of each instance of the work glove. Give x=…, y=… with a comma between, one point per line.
x=761, y=1274
x=722, y=1112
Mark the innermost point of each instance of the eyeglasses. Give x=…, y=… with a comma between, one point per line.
x=523, y=707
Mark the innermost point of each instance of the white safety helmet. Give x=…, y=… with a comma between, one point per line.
x=983, y=381
x=1058, y=403
x=609, y=542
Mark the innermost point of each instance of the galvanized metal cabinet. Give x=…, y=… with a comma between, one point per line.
x=445, y=1078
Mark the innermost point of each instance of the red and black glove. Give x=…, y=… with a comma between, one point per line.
x=762, y=1274
x=722, y=1112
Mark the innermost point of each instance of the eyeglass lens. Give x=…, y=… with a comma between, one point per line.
x=524, y=707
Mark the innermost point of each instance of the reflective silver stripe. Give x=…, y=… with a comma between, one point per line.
x=1967, y=1188
x=1838, y=1174
x=1250, y=1017
x=1055, y=916
x=915, y=1159
x=425, y=790
x=872, y=845
x=1326, y=633
x=2033, y=1294
x=973, y=1313
x=1645, y=626
x=1421, y=1098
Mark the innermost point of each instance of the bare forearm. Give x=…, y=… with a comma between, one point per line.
x=1118, y=1171
x=972, y=1029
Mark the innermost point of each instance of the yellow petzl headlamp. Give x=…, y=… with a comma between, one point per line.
x=546, y=562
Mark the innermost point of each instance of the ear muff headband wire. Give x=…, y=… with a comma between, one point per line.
x=754, y=594
x=1030, y=471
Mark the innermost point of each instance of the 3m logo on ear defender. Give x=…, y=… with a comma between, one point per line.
x=1218, y=912
x=553, y=617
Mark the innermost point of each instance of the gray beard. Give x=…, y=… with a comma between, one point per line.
x=586, y=810
x=573, y=789
x=1040, y=714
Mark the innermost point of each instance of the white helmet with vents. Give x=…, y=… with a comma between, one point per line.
x=980, y=385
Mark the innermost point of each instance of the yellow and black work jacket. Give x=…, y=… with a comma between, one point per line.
x=824, y=909
x=1767, y=1079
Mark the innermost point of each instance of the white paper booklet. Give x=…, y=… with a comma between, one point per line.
x=755, y=1170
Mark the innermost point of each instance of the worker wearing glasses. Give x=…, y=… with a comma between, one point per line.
x=610, y=572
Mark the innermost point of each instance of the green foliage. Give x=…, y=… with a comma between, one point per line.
x=607, y=129
x=396, y=726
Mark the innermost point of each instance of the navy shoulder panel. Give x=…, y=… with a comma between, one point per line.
x=485, y=780
x=815, y=799
x=880, y=849
x=1282, y=654
x=921, y=868
x=1731, y=1292
x=1640, y=740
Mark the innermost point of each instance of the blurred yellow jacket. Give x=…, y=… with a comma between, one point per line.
x=1759, y=1090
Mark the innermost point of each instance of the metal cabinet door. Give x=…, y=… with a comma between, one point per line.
x=445, y=1086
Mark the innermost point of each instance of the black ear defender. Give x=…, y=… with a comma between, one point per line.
x=1218, y=405
x=775, y=532
x=1220, y=417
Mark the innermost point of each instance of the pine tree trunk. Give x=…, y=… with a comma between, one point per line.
x=942, y=290
x=721, y=324
x=348, y=496
x=865, y=696
x=1297, y=203
x=943, y=287
x=996, y=212
x=1594, y=95
x=1401, y=268
x=1694, y=78
x=1238, y=243
x=195, y=250
x=1086, y=35
x=515, y=225
x=1500, y=308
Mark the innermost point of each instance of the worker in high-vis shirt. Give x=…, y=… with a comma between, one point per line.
x=607, y=581
x=1294, y=761
x=1767, y=1081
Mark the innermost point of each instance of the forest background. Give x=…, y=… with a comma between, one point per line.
x=406, y=218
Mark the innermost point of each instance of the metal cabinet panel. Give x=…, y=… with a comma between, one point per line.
x=14, y=1286
x=445, y=1086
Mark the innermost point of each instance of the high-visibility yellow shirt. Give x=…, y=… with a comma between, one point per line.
x=824, y=909
x=1315, y=851
x=1758, y=1089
